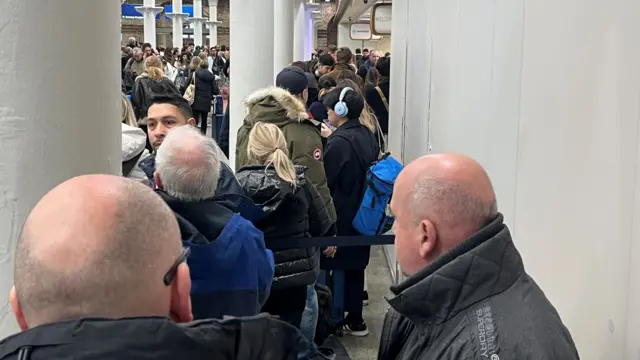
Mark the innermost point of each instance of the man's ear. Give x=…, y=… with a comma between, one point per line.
x=158, y=181
x=17, y=310
x=191, y=122
x=181, y=295
x=428, y=241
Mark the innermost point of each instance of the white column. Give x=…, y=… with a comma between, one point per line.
x=545, y=94
x=46, y=138
x=178, y=17
x=246, y=42
x=308, y=39
x=299, y=31
x=213, y=22
x=198, y=22
x=283, y=34
x=149, y=10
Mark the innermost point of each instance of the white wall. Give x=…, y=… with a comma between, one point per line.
x=344, y=39
x=545, y=94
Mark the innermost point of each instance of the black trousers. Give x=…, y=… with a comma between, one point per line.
x=288, y=304
x=201, y=118
x=353, y=294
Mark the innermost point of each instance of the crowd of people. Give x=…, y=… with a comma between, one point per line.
x=124, y=268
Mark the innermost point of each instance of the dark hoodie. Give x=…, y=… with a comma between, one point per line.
x=304, y=142
x=231, y=269
x=158, y=338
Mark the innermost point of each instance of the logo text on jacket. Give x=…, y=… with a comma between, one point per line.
x=486, y=333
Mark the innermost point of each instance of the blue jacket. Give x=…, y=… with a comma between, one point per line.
x=231, y=269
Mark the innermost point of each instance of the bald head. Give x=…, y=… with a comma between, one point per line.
x=95, y=245
x=188, y=165
x=451, y=193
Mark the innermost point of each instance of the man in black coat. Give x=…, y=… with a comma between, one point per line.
x=467, y=295
x=105, y=277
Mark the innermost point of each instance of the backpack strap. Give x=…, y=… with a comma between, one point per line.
x=383, y=98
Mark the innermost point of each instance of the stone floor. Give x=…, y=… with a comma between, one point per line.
x=378, y=282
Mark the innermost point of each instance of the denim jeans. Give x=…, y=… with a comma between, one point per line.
x=310, y=320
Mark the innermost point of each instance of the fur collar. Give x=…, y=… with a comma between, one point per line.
x=294, y=107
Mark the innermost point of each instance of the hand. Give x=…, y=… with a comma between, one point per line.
x=330, y=251
x=325, y=131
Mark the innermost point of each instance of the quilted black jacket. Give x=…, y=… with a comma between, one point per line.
x=288, y=214
x=475, y=302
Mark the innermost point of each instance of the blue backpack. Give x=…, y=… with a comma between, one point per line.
x=372, y=217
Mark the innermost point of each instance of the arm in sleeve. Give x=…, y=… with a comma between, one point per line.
x=334, y=161
x=306, y=150
x=320, y=223
x=136, y=99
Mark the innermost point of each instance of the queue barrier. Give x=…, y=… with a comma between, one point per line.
x=337, y=275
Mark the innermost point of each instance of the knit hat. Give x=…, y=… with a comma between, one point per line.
x=292, y=79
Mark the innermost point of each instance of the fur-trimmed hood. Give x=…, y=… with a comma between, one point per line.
x=274, y=105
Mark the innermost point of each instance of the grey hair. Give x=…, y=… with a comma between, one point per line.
x=137, y=50
x=450, y=204
x=188, y=176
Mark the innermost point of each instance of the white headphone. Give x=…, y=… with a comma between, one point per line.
x=341, y=109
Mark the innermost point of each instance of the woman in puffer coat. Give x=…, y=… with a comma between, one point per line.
x=293, y=209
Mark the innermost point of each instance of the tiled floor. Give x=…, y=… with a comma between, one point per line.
x=378, y=282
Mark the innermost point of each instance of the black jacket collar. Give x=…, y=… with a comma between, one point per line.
x=158, y=338
x=485, y=264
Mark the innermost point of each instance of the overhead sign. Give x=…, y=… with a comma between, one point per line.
x=360, y=31
x=381, y=19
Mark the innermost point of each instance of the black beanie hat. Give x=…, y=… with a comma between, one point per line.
x=292, y=79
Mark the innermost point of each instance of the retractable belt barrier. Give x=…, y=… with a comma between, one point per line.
x=338, y=282
x=326, y=241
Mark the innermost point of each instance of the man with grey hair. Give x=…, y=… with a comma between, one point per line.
x=100, y=273
x=467, y=295
x=231, y=268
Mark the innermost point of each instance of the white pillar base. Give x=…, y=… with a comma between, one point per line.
x=198, y=34
x=213, y=32
x=178, y=23
x=149, y=13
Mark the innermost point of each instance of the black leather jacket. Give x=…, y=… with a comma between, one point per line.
x=288, y=213
x=259, y=337
x=475, y=302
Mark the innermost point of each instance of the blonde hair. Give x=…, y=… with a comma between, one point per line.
x=267, y=146
x=153, y=66
x=195, y=62
x=128, y=116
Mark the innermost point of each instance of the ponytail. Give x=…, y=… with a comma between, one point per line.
x=155, y=73
x=283, y=166
x=268, y=147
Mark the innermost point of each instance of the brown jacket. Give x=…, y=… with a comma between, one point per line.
x=338, y=69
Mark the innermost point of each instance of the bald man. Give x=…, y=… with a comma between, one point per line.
x=100, y=273
x=467, y=295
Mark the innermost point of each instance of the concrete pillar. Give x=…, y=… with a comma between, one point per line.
x=198, y=23
x=178, y=17
x=299, y=31
x=48, y=138
x=213, y=22
x=246, y=42
x=283, y=34
x=309, y=34
x=149, y=10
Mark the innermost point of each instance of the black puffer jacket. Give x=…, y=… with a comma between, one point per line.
x=259, y=337
x=291, y=214
x=475, y=302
